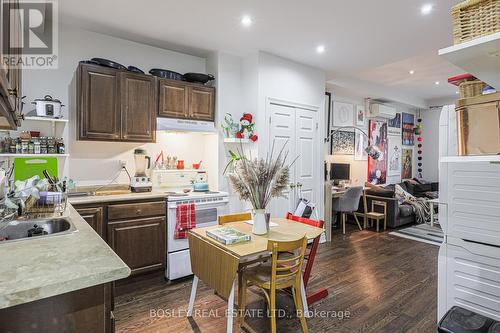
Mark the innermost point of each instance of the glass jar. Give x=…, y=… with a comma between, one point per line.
x=61, y=148
x=37, y=148
x=31, y=147
x=24, y=147
x=43, y=145
x=18, y=146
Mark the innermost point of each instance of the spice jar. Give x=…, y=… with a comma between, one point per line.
x=36, y=144
x=61, y=149
x=43, y=145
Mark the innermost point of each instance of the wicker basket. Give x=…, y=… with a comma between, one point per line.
x=475, y=18
x=471, y=88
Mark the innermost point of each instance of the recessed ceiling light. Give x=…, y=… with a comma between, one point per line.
x=411, y=72
x=436, y=83
x=426, y=9
x=320, y=49
x=246, y=21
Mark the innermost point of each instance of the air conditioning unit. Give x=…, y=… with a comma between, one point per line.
x=382, y=111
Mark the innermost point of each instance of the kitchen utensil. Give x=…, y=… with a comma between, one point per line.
x=141, y=182
x=48, y=107
x=108, y=63
x=166, y=74
x=198, y=77
x=180, y=164
x=135, y=69
x=27, y=167
x=200, y=187
x=196, y=165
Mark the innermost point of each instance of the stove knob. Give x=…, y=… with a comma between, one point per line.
x=143, y=179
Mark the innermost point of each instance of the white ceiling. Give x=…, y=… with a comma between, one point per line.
x=374, y=42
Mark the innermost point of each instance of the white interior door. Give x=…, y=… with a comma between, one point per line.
x=298, y=127
x=281, y=132
x=306, y=170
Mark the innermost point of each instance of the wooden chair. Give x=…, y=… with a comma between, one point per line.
x=277, y=274
x=223, y=219
x=376, y=215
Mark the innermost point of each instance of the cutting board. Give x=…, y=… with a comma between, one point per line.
x=27, y=167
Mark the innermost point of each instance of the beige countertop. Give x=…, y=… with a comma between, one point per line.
x=38, y=268
x=116, y=197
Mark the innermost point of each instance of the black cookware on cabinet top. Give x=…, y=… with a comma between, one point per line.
x=198, y=77
x=108, y=63
x=166, y=74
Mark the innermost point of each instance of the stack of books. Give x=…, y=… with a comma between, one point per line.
x=228, y=235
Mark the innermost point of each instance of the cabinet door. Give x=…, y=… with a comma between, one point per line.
x=138, y=107
x=139, y=243
x=174, y=99
x=202, y=103
x=94, y=216
x=98, y=112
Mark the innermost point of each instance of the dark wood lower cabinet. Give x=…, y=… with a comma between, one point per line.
x=94, y=216
x=84, y=310
x=139, y=243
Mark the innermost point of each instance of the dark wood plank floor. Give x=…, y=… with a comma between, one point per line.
x=384, y=283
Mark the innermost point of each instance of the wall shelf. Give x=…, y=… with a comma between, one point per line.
x=479, y=57
x=8, y=155
x=53, y=120
x=236, y=140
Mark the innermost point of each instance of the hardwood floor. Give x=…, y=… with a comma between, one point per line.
x=385, y=284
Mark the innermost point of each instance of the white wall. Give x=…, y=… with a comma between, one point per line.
x=289, y=81
x=430, y=145
x=359, y=169
x=97, y=162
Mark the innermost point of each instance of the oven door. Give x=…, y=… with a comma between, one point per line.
x=207, y=213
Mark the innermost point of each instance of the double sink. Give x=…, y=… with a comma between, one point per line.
x=25, y=229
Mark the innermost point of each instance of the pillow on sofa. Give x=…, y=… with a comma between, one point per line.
x=379, y=191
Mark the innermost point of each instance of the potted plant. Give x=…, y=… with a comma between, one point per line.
x=259, y=180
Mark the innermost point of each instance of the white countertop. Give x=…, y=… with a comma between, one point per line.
x=38, y=268
x=116, y=197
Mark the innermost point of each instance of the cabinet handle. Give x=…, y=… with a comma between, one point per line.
x=292, y=185
x=12, y=92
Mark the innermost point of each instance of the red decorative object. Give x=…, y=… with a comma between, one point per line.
x=420, y=139
x=246, y=128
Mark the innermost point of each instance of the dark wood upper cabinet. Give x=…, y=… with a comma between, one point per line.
x=10, y=76
x=183, y=100
x=99, y=114
x=202, y=103
x=115, y=105
x=174, y=99
x=138, y=107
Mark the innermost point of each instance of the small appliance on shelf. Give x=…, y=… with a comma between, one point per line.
x=48, y=107
x=140, y=182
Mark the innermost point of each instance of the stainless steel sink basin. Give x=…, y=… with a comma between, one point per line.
x=35, y=228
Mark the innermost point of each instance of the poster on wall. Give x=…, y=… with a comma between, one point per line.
x=360, y=142
x=360, y=116
x=377, y=169
x=394, y=125
x=408, y=127
x=407, y=164
x=394, y=156
x=343, y=114
x=343, y=143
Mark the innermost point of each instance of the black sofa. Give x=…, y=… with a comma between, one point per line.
x=398, y=214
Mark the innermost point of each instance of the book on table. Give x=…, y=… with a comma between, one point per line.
x=228, y=235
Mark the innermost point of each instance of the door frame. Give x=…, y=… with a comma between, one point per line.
x=318, y=153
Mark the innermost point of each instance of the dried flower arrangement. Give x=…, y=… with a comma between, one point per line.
x=260, y=180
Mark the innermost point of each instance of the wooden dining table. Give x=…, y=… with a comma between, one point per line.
x=217, y=264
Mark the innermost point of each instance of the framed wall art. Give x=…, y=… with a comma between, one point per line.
x=343, y=114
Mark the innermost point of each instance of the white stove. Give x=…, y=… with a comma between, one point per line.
x=208, y=205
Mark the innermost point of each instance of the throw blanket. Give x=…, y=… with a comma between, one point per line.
x=421, y=206
x=185, y=220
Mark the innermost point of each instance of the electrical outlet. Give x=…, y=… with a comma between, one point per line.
x=123, y=164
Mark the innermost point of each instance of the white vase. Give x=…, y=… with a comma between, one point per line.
x=259, y=222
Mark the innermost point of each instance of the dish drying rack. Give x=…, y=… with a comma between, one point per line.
x=49, y=203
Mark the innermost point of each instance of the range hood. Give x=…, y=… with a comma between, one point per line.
x=187, y=125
